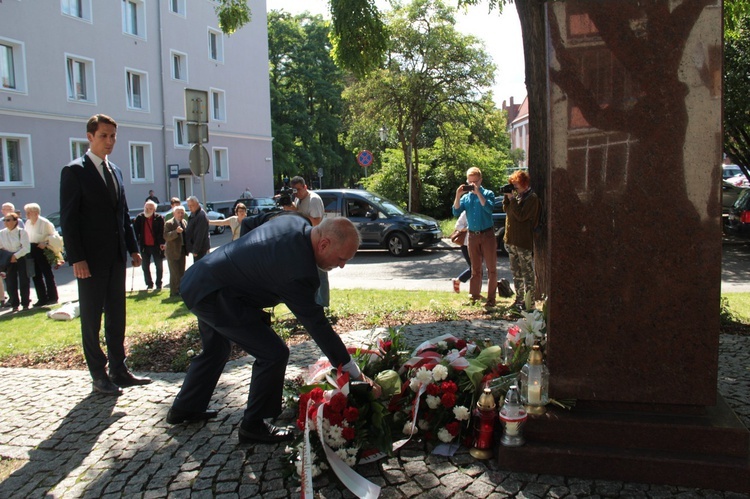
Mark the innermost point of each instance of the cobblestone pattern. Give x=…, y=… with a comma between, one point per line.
x=82, y=445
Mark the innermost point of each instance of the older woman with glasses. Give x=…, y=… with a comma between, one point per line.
x=17, y=241
x=234, y=222
x=40, y=230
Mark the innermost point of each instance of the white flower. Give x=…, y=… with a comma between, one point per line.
x=424, y=375
x=439, y=372
x=433, y=402
x=442, y=345
x=409, y=428
x=334, y=437
x=461, y=413
x=190, y=353
x=444, y=435
x=414, y=385
x=346, y=457
x=423, y=424
x=532, y=326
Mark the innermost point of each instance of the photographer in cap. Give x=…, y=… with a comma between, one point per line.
x=522, y=206
x=477, y=202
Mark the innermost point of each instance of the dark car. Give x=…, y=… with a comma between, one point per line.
x=257, y=205
x=738, y=221
x=730, y=193
x=498, y=222
x=381, y=223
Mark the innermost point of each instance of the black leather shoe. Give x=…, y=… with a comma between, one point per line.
x=126, y=378
x=41, y=303
x=264, y=433
x=106, y=387
x=176, y=416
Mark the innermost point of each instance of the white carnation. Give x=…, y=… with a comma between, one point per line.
x=444, y=435
x=442, y=345
x=423, y=424
x=433, y=402
x=424, y=375
x=414, y=385
x=409, y=428
x=439, y=372
x=461, y=413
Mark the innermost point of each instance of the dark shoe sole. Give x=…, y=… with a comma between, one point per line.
x=126, y=383
x=249, y=437
x=174, y=417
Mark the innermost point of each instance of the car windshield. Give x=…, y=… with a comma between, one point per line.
x=730, y=171
x=385, y=205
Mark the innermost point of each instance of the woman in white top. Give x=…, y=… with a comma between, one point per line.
x=463, y=224
x=16, y=240
x=40, y=230
x=234, y=222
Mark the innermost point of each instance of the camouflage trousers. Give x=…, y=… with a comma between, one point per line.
x=522, y=268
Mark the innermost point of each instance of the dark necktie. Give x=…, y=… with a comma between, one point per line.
x=110, y=182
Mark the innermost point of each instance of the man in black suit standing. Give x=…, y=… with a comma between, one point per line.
x=197, y=239
x=98, y=238
x=228, y=290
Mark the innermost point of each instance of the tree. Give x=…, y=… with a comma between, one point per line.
x=306, y=104
x=737, y=84
x=431, y=72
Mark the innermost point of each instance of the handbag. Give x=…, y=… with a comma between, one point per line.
x=458, y=237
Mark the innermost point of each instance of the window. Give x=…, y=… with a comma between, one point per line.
x=134, y=18
x=78, y=148
x=218, y=109
x=141, y=163
x=215, y=45
x=179, y=66
x=221, y=166
x=15, y=160
x=177, y=7
x=180, y=133
x=137, y=90
x=77, y=8
x=80, y=74
x=12, y=66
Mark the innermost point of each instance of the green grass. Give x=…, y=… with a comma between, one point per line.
x=447, y=226
x=149, y=314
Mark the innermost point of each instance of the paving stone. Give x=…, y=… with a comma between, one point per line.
x=427, y=480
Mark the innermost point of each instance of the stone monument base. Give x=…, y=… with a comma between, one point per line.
x=696, y=447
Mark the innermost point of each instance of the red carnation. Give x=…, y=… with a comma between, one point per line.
x=448, y=400
x=453, y=428
x=335, y=418
x=351, y=414
x=338, y=402
x=433, y=389
x=449, y=387
x=348, y=433
x=460, y=344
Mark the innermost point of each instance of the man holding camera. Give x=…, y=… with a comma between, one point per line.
x=477, y=202
x=522, y=207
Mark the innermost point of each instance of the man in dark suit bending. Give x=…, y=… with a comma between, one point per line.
x=228, y=290
x=98, y=238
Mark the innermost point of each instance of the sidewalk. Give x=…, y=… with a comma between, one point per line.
x=83, y=445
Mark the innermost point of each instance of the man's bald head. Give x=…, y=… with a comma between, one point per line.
x=335, y=241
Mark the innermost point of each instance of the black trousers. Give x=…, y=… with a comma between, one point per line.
x=44, y=278
x=147, y=253
x=104, y=292
x=17, y=279
x=254, y=336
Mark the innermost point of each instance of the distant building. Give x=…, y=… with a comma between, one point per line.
x=62, y=61
x=518, y=128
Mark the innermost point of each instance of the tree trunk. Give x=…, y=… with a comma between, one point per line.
x=531, y=16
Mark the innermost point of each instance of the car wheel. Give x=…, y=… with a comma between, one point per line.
x=398, y=244
x=219, y=229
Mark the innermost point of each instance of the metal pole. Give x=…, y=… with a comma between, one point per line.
x=203, y=189
x=408, y=163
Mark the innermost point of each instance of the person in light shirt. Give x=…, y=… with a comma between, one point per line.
x=16, y=240
x=40, y=230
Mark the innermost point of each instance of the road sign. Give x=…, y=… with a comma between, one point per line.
x=364, y=158
x=197, y=133
x=174, y=171
x=199, y=160
x=196, y=105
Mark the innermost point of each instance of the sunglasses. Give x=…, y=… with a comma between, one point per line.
x=9, y=219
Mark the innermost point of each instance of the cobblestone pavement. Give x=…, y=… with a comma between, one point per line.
x=77, y=444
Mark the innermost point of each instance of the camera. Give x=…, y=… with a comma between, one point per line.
x=507, y=189
x=284, y=196
x=467, y=187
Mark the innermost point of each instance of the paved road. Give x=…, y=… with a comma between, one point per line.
x=427, y=270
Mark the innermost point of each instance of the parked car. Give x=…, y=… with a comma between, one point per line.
x=257, y=205
x=729, y=195
x=381, y=223
x=498, y=222
x=728, y=171
x=738, y=221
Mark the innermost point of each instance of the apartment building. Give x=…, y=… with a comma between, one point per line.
x=62, y=61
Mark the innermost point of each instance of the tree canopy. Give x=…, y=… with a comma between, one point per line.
x=737, y=83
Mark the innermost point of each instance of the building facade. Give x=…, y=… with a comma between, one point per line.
x=61, y=61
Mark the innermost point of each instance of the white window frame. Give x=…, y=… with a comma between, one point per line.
x=77, y=9
x=134, y=25
x=218, y=112
x=217, y=47
x=26, y=164
x=16, y=65
x=180, y=129
x=148, y=162
x=180, y=6
x=221, y=167
x=183, y=57
x=78, y=147
x=130, y=85
x=89, y=83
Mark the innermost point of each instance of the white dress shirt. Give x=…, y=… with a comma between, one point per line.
x=40, y=231
x=15, y=240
